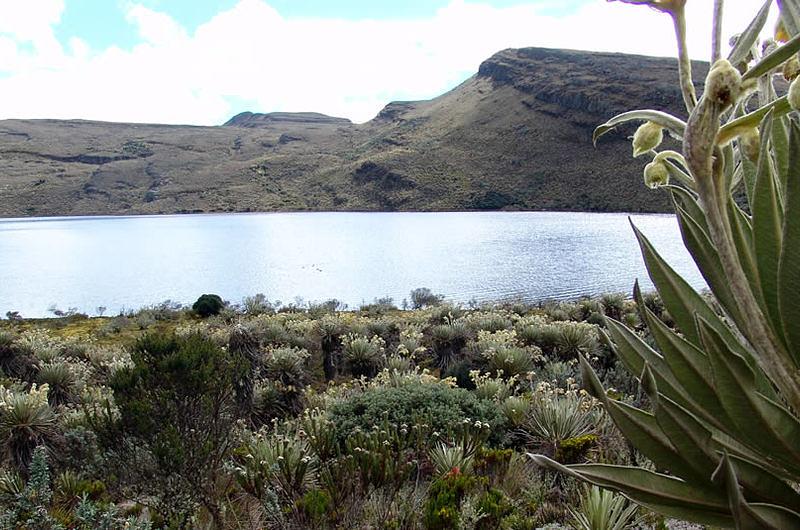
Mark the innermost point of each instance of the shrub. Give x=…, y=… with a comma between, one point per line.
x=424, y=297
x=208, y=305
x=379, y=306
x=437, y=405
x=575, y=450
x=495, y=506
x=257, y=305
x=444, y=500
x=177, y=403
x=315, y=504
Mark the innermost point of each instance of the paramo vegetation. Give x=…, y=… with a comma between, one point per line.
x=442, y=416
x=312, y=417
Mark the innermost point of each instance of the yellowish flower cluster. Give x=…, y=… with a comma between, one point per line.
x=41, y=343
x=488, y=341
x=35, y=396
x=217, y=333
x=411, y=342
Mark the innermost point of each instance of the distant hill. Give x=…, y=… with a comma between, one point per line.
x=516, y=135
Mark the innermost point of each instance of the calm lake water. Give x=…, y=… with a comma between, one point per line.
x=130, y=262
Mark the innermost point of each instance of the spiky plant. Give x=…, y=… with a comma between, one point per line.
x=492, y=322
x=15, y=361
x=613, y=304
x=510, y=360
x=448, y=340
x=26, y=421
x=515, y=409
x=397, y=364
x=447, y=458
x=11, y=483
x=558, y=372
x=60, y=380
x=362, y=355
x=603, y=510
x=575, y=338
x=283, y=461
x=554, y=418
x=488, y=387
x=724, y=422
x=329, y=329
x=287, y=365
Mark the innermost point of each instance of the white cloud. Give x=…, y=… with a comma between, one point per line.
x=339, y=67
x=157, y=29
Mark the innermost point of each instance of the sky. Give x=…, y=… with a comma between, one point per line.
x=200, y=62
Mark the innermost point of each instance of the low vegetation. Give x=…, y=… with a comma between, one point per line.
x=309, y=417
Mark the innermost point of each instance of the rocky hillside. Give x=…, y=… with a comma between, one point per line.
x=517, y=135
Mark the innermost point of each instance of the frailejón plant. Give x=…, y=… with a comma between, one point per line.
x=723, y=425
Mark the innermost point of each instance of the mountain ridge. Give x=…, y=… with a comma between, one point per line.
x=516, y=135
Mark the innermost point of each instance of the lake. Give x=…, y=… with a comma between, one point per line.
x=130, y=262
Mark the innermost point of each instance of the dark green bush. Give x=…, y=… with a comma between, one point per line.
x=496, y=506
x=444, y=500
x=460, y=371
x=439, y=406
x=575, y=450
x=315, y=504
x=208, y=305
x=177, y=404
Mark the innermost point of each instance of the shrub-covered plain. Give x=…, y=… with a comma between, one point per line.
x=306, y=417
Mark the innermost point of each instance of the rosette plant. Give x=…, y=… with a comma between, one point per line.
x=723, y=426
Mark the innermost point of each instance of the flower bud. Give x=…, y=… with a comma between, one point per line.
x=781, y=35
x=648, y=136
x=750, y=144
x=656, y=174
x=794, y=94
x=791, y=68
x=723, y=84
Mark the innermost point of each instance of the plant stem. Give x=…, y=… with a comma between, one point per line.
x=716, y=35
x=684, y=63
x=704, y=162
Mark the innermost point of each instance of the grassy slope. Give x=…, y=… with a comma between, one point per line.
x=517, y=135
